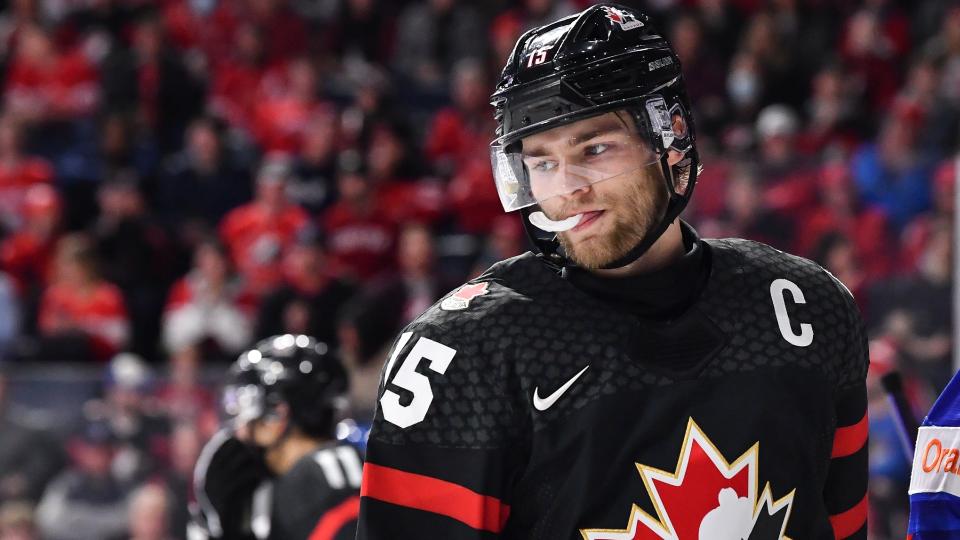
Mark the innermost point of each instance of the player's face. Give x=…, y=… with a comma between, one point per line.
x=617, y=211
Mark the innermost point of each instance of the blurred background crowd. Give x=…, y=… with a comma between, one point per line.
x=179, y=178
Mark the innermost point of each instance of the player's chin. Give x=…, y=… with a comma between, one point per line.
x=591, y=253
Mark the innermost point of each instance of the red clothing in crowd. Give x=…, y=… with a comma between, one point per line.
x=473, y=197
x=868, y=231
x=212, y=34
x=362, y=244
x=27, y=259
x=453, y=137
x=235, y=91
x=67, y=87
x=279, y=122
x=101, y=315
x=422, y=201
x=877, y=68
x=185, y=291
x=15, y=179
x=257, y=240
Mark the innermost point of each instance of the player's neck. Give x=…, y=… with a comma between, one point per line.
x=665, y=251
x=290, y=452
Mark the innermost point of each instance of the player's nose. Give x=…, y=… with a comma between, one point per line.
x=576, y=179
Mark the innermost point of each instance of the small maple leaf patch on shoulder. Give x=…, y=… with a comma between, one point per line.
x=462, y=297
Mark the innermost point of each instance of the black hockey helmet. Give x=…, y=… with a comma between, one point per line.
x=606, y=58
x=294, y=369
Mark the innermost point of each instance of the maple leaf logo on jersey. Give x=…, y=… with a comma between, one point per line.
x=461, y=299
x=705, y=497
x=626, y=20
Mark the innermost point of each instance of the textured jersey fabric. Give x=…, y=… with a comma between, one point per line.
x=521, y=407
x=317, y=499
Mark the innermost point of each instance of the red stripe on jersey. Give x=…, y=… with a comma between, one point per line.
x=394, y=486
x=334, y=519
x=850, y=439
x=846, y=523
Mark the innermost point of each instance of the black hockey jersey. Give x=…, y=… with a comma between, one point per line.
x=317, y=499
x=521, y=407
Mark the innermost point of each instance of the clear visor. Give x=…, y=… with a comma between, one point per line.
x=565, y=159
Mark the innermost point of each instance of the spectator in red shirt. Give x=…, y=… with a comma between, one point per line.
x=311, y=297
x=787, y=177
x=841, y=211
x=204, y=27
x=27, y=253
x=461, y=132
x=17, y=173
x=237, y=78
x=209, y=307
x=360, y=233
x=44, y=84
x=746, y=215
x=872, y=45
x=280, y=119
x=79, y=307
x=259, y=233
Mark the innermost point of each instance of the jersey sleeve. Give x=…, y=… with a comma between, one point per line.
x=444, y=439
x=845, y=491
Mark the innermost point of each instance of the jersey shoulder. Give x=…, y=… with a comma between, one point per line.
x=505, y=289
x=448, y=378
x=751, y=261
x=747, y=277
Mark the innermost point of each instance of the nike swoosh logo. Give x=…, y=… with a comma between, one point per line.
x=542, y=404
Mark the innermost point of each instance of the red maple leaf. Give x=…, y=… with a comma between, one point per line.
x=696, y=487
x=614, y=15
x=696, y=495
x=469, y=292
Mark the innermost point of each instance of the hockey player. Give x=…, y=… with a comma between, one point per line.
x=276, y=472
x=631, y=380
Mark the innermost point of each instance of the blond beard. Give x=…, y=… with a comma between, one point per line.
x=642, y=209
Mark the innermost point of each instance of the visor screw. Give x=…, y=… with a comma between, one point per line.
x=526, y=120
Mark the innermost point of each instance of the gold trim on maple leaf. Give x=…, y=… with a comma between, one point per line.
x=661, y=525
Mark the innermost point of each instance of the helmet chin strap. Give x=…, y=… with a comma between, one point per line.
x=534, y=219
x=674, y=207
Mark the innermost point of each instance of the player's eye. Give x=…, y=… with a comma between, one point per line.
x=596, y=149
x=543, y=166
